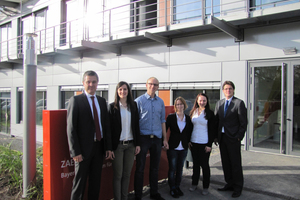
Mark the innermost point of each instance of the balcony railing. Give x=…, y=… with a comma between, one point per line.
x=130, y=19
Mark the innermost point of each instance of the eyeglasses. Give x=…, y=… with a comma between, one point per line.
x=153, y=84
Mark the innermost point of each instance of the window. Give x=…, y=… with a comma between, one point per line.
x=190, y=10
x=189, y=95
x=5, y=112
x=41, y=104
x=68, y=91
x=262, y=4
x=5, y=32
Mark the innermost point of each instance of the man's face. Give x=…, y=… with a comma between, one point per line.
x=228, y=91
x=90, y=84
x=152, y=86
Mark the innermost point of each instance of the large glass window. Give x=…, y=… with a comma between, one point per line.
x=190, y=10
x=66, y=95
x=263, y=4
x=5, y=112
x=190, y=96
x=5, y=31
x=41, y=104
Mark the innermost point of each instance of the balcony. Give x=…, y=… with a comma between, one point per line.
x=158, y=20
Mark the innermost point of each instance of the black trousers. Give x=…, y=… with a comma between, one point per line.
x=200, y=159
x=230, y=150
x=90, y=168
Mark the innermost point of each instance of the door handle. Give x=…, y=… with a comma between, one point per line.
x=288, y=119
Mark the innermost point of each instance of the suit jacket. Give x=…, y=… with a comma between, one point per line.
x=116, y=125
x=235, y=120
x=81, y=126
x=175, y=135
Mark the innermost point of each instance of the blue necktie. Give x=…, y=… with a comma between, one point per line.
x=226, y=107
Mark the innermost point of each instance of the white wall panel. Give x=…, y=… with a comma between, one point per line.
x=6, y=75
x=140, y=75
x=97, y=60
x=237, y=73
x=195, y=72
x=144, y=55
x=203, y=48
x=268, y=42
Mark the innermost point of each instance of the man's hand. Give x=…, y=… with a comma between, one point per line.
x=190, y=145
x=78, y=158
x=207, y=149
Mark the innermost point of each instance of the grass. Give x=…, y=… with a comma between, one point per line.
x=11, y=175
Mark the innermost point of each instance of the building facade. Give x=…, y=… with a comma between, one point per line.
x=191, y=46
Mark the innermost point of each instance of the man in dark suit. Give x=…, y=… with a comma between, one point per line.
x=231, y=115
x=88, y=136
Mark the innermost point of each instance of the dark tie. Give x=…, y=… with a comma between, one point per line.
x=96, y=120
x=226, y=107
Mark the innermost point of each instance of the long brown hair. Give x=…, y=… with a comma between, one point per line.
x=129, y=100
x=196, y=105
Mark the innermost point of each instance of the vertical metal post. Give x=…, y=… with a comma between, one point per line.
x=212, y=8
x=53, y=37
x=166, y=14
x=110, y=25
x=282, y=108
x=134, y=17
x=29, y=110
x=69, y=34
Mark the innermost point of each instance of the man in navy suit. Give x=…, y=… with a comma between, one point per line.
x=231, y=115
x=88, y=137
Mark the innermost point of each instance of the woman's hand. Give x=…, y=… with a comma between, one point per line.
x=190, y=145
x=137, y=150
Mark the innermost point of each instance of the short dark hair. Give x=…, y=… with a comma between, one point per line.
x=90, y=73
x=228, y=83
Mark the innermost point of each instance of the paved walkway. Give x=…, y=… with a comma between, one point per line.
x=266, y=176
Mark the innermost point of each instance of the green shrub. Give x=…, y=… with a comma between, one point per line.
x=11, y=173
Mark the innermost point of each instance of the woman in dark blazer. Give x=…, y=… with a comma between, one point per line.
x=181, y=127
x=203, y=135
x=124, y=124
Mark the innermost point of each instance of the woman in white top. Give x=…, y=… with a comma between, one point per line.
x=124, y=125
x=203, y=135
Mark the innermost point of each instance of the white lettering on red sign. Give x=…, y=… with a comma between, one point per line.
x=67, y=163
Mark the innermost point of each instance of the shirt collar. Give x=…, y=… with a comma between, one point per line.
x=149, y=97
x=229, y=100
x=179, y=118
x=88, y=95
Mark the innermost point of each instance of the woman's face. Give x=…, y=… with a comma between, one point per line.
x=202, y=101
x=123, y=91
x=179, y=106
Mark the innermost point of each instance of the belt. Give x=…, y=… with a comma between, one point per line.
x=126, y=142
x=150, y=136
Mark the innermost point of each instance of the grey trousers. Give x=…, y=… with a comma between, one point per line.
x=122, y=166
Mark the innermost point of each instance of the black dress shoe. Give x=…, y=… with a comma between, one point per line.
x=179, y=192
x=174, y=194
x=236, y=194
x=156, y=197
x=226, y=188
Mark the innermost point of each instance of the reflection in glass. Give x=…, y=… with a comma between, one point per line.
x=190, y=95
x=267, y=107
x=41, y=104
x=5, y=112
x=296, y=110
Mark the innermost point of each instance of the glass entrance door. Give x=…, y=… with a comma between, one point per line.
x=294, y=109
x=274, y=119
x=268, y=107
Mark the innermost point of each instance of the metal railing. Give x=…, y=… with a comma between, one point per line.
x=129, y=19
